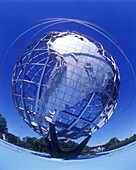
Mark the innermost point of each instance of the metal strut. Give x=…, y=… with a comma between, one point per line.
x=56, y=152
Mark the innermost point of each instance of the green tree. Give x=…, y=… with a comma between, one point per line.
x=35, y=144
x=12, y=138
x=87, y=150
x=42, y=145
x=112, y=147
x=129, y=140
x=112, y=144
x=122, y=143
x=134, y=137
x=3, y=125
x=67, y=146
x=28, y=142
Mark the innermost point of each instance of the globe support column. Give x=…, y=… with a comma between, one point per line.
x=56, y=152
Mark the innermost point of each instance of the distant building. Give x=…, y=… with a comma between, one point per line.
x=98, y=148
x=3, y=136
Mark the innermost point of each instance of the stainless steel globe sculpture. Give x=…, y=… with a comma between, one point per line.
x=67, y=79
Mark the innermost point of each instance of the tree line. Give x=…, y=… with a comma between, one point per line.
x=114, y=143
x=33, y=143
x=39, y=145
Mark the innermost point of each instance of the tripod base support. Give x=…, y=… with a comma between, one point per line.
x=56, y=152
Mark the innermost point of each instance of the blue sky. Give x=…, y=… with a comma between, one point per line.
x=117, y=17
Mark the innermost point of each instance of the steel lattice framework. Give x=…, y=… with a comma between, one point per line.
x=30, y=76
